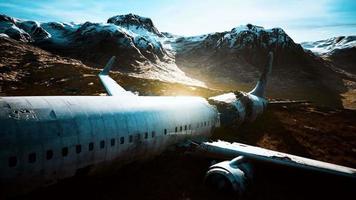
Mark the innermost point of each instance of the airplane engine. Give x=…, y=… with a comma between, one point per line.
x=238, y=107
x=230, y=176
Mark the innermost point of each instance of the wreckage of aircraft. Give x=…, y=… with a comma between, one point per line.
x=48, y=138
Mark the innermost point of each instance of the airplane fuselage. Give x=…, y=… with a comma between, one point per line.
x=44, y=139
x=47, y=138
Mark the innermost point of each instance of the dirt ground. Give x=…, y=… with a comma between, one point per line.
x=305, y=130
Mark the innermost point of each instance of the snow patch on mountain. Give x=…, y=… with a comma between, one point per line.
x=148, y=49
x=328, y=46
x=135, y=23
x=245, y=35
x=60, y=33
x=4, y=35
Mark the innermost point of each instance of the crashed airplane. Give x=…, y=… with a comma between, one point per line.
x=48, y=138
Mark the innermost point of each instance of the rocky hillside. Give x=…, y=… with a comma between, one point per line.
x=228, y=60
x=339, y=53
x=234, y=59
x=340, y=50
x=29, y=70
x=134, y=40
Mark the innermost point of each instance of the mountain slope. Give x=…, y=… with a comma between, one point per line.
x=234, y=59
x=28, y=70
x=339, y=53
x=228, y=60
x=132, y=39
x=340, y=50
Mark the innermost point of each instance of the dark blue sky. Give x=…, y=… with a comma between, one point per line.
x=303, y=20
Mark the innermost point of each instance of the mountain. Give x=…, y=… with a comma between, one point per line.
x=234, y=59
x=26, y=70
x=331, y=45
x=227, y=60
x=136, y=42
x=340, y=50
x=340, y=55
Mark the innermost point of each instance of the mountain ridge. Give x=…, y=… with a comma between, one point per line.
x=227, y=60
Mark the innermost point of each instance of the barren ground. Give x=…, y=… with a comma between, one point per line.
x=316, y=132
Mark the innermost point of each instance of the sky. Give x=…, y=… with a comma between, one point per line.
x=303, y=20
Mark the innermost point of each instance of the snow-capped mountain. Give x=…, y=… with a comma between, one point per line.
x=227, y=60
x=341, y=51
x=331, y=45
x=136, y=42
x=237, y=57
x=144, y=51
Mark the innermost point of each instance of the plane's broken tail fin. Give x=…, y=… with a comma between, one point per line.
x=111, y=86
x=261, y=85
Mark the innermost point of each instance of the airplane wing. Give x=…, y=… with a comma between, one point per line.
x=111, y=86
x=226, y=150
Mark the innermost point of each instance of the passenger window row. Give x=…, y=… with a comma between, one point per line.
x=12, y=161
x=186, y=127
x=202, y=124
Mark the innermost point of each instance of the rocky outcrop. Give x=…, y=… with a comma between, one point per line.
x=235, y=59
x=135, y=23
x=134, y=40
x=227, y=60
x=340, y=50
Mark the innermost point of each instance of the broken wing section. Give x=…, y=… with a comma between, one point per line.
x=226, y=150
x=111, y=86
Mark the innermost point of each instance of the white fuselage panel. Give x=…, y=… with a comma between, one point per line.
x=49, y=138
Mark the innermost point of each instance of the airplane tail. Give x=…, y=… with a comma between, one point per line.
x=261, y=85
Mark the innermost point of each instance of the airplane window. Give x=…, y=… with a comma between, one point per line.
x=12, y=161
x=165, y=131
x=91, y=146
x=146, y=135
x=176, y=129
x=49, y=154
x=204, y=123
x=102, y=144
x=185, y=127
x=65, y=151
x=130, y=138
x=78, y=148
x=122, y=140
x=153, y=134
x=180, y=128
x=190, y=126
x=112, y=142
x=138, y=137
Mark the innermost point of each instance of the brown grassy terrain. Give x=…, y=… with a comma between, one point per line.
x=28, y=70
x=302, y=129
